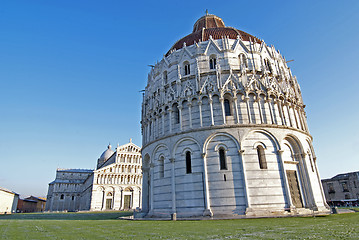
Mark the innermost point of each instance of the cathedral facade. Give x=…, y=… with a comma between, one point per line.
x=225, y=131
x=115, y=184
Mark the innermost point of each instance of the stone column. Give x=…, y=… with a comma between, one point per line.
x=285, y=180
x=207, y=203
x=268, y=101
x=151, y=186
x=258, y=100
x=290, y=119
x=320, y=183
x=211, y=108
x=180, y=116
x=173, y=185
x=306, y=179
x=305, y=121
x=190, y=113
x=280, y=109
x=246, y=99
x=295, y=117
x=236, y=107
x=200, y=113
x=121, y=200
x=300, y=119
x=157, y=126
x=170, y=120
x=103, y=200
x=163, y=122
x=249, y=206
x=139, y=199
x=223, y=110
x=131, y=204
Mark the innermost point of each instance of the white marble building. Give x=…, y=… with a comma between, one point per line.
x=225, y=131
x=114, y=185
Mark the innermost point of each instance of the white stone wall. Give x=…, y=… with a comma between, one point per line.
x=117, y=177
x=188, y=113
x=65, y=193
x=8, y=202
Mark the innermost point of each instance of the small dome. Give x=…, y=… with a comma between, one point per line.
x=211, y=26
x=106, y=154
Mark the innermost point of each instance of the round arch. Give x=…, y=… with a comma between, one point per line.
x=181, y=140
x=265, y=132
x=209, y=139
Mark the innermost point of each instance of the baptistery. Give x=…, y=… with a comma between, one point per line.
x=225, y=132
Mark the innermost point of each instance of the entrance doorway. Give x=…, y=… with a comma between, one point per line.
x=109, y=200
x=108, y=203
x=127, y=202
x=294, y=188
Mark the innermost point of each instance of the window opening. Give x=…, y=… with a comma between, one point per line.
x=222, y=159
x=187, y=69
x=165, y=77
x=227, y=107
x=177, y=114
x=188, y=162
x=162, y=167
x=212, y=63
x=261, y=158
x=243, y=60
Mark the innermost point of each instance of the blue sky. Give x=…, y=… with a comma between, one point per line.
x=71, y=72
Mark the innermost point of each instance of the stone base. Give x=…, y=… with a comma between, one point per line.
x=207, y=213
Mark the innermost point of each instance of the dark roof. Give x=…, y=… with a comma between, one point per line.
x=211, y=25
x=341, y=176
x=35, y=198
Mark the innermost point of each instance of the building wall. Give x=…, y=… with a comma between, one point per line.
x=118, y=182
x=237, y=106
x=8, y=202
x=117, y=179
x=342, y=187
x=64, y=193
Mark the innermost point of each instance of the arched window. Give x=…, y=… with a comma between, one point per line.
x=165, y=77
x=212, y=62
x=268, y=65
x=188, y=162
x=227, y=107
x=176, y=114
x=161, y=164
x=187, y=68
x=222, y=159
x=261, y=157
x=62, y=196
x=243, y=60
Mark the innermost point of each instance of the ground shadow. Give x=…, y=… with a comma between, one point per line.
x=67, y=216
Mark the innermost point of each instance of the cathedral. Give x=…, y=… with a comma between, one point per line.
x=115, y=184
x=224, y=131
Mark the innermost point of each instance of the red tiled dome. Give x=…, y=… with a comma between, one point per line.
x=211, y=25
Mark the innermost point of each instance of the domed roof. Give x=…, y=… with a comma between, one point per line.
x=211, y=25
x=106, y=154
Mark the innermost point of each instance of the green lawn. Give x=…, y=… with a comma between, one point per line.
x=107, y=226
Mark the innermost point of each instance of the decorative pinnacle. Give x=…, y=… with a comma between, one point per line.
x=207, y=12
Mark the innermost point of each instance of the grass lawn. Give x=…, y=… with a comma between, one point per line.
x=106, y=226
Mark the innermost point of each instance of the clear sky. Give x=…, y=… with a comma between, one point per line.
x=71, y=72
